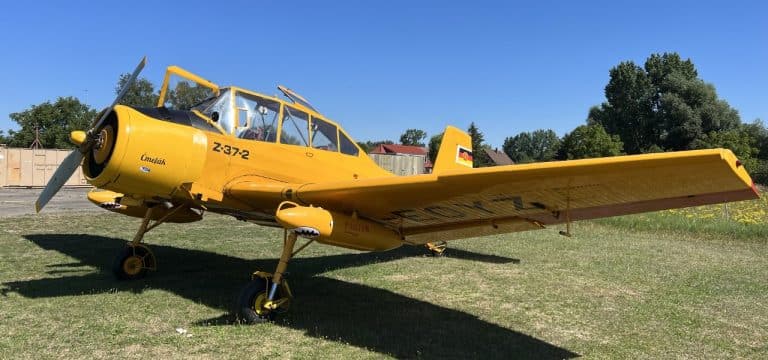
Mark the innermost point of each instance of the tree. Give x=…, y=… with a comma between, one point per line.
x=661, y=106
x=364, y=146
x=737, y=140
x=141, y=93
x=589, y=141
x=627, y=112
x=434, y=146
x=413, y=137
x=480, y=158
x=3, y=138
x=184, y=96
x=369, y=145
x=54, y=121
x=759, y=135
x=525, y=147
x=748, y=142
x=758, y=170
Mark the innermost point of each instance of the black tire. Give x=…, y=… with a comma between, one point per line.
x=256, y=291
x=133, y=262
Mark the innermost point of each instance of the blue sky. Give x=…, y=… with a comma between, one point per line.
x=379, y=68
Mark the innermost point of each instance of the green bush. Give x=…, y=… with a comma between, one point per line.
x=758, y=169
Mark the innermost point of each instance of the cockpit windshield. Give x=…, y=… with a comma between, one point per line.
x=219, y=110
x=253, y=117
x=183, y=90
x=204, y=104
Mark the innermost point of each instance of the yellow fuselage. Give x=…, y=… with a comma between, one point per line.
x=153, y=160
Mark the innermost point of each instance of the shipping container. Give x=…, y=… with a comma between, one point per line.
x=34, y=167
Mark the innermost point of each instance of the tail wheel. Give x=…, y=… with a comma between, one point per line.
x=437, y=249
x=133, y=262
x=253, y=302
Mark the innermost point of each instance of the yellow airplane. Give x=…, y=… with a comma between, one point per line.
x=280, y=163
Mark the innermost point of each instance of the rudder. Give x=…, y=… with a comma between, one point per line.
x=455, y=151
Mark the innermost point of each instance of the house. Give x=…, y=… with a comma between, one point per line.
x=498, y=157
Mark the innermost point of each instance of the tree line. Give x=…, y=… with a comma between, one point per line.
x=53, y=121
x=660, y=106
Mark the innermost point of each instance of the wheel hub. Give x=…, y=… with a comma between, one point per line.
x=259, y=303
x=133, y=265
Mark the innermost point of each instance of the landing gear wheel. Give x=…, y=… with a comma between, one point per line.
x=133, y=262
x=254, y=306
x=437, y=249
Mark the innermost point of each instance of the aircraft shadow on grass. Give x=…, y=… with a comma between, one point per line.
x=363, y=316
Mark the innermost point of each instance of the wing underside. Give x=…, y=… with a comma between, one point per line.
x=465, y=203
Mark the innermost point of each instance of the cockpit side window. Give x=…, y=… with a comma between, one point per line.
x=347, y=146
x=257, y=117
x=294, y=127
x=324, y=135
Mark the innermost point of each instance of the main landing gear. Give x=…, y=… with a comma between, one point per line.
x=133, y=262
x=269, y=294
x=136, y=259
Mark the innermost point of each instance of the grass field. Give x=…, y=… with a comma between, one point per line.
x=660, y=285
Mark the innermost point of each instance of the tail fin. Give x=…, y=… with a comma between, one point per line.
x=455, y=151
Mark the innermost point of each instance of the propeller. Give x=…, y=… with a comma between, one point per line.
x=75, y=158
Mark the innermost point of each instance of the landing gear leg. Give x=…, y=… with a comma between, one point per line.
x=267, y=294
x=133, y=261
x=436, y=249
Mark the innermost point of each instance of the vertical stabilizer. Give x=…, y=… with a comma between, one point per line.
x=455, y=151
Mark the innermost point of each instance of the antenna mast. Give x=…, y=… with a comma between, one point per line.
x=36, y=144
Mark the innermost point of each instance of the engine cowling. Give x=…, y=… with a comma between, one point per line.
x=139, y=155
x=334, y=228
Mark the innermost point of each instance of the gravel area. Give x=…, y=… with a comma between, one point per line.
x=14, y=202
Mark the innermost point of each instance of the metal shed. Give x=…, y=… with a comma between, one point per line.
x=400, y=164
x=33, y=167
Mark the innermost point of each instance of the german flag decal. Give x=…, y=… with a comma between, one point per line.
x=464, y=156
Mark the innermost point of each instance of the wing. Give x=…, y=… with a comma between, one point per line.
x=463, y=203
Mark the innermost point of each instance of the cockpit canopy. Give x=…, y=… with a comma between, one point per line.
x=248, y=115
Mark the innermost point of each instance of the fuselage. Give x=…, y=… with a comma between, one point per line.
x=186, y=156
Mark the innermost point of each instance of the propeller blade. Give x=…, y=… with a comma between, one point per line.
x=75, y=158
x=62, y=174
x=122, y=93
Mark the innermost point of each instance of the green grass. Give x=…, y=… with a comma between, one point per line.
x=647, y=286
x=740, y=221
